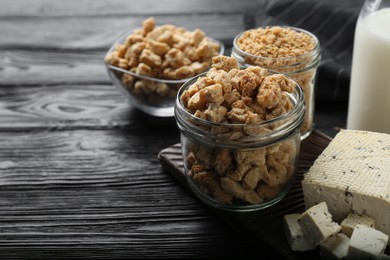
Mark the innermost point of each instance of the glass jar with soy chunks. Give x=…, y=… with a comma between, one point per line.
x=288, y=50
x=240, y=134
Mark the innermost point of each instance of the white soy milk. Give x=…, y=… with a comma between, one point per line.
x=369, y=97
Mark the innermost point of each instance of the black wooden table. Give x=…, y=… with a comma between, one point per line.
x=79, y=173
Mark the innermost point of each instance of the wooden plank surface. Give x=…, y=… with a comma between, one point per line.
x=91, y=33
x=119, y=7
x=62, y=107
x=50, y=67
x=82, y=193
x=79, y=173
x=78, y=106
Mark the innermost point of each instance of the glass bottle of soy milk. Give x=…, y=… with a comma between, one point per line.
x=369, y=97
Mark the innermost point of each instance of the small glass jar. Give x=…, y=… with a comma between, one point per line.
x=301, y=68
x=240, y=167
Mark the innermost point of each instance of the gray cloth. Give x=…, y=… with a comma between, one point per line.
x=333, y=22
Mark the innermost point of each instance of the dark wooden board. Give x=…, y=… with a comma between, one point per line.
x=266, y=225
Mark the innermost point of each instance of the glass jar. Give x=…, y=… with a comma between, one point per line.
x=240, y=167
x=302, y=68
x=369, y=93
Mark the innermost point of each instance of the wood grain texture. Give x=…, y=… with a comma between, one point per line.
x=64, y=107
x=82, y=193
x=54, y=67
x=80, y=105
x=79, y=172
x=49, y=67
x=99, y=33
x=120, y=7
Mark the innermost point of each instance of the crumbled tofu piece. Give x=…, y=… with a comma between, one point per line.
x=350, y=222
x=317, y=224
x=367, y=243
x=295, y=238
x=335, y=247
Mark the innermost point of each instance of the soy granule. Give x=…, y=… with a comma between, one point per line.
x=276, y=42
x=287, y=50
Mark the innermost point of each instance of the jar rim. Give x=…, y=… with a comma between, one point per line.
x=313, y=52
x=298, y=109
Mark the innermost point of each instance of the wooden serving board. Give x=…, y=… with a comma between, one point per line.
x=265, y=225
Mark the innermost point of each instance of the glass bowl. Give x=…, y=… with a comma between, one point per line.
x=154, y=96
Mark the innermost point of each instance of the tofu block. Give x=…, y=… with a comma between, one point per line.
x=367, y=243
x=349, y=223
x=352, y=175
x=317, y=224
x=335, y=247
x=295, y=238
